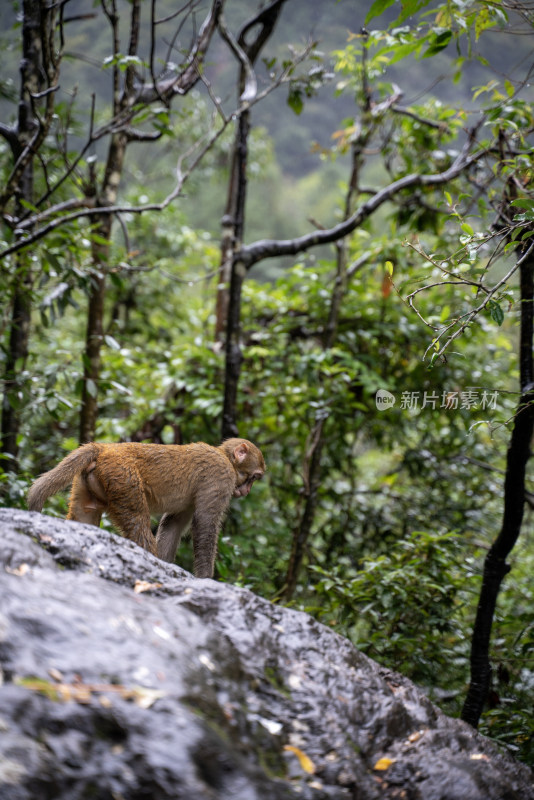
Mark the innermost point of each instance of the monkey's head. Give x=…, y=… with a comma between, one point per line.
x=247, y=461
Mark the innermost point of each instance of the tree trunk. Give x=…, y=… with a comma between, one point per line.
x=232, y=270
x=312, y=465
x=230, y=303
x=495, y=566
x=95, y=312
x=312, y=479
x=16, y=358
x=233, y=353
x=124, y=100
x=31, y=69
x=92, y=360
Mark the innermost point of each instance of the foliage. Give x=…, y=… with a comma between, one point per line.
x=418, y=585
x=410, y=495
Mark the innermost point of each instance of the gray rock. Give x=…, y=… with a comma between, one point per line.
x=126, y=678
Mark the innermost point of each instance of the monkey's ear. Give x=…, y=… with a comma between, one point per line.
x=240, y=452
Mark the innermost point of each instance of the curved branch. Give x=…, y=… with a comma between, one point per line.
x=270, y=248
x=250, y=83
x=10, y=135
x=267, y=18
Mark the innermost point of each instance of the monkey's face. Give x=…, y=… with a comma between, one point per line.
x=248, y=464
x=242, y=489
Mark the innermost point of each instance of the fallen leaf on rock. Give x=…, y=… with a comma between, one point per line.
x=78, y=692
x=83, y=692
x=143, y=697
x=414, y=737
x=205, y=660
x=19, y=571
x=271, y=725
x=305, y=761
x=145, y=586
x=47, y=688
x=384, y=763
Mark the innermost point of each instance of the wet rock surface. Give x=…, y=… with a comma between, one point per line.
x=126, y=678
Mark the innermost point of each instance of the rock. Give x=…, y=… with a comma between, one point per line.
x=125, y=678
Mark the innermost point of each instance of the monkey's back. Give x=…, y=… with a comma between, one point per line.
x=172, y=477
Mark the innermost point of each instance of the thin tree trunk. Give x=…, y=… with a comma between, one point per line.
x=92, y=360
x=31, y=83
x=228, y=306
x=15, y=361
x=312, y=463
x=124, y=100
x=495, y=566
x=312, y=479
x=94, y=336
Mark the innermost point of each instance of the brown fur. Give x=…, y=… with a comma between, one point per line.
x=189, y=484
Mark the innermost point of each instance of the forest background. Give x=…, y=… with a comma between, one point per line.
x=307, y=223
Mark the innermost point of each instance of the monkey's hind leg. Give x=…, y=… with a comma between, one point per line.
x=128, y=511
x=170, y=529
x=83, y=505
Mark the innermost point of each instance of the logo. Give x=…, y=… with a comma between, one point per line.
x=384, y=399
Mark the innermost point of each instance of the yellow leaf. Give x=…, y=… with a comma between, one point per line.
x=145, y=586
x=384, y=763
x=389, y=267
x=79, y=692
x=143, y=697
x=305, y=761
x=19, y=571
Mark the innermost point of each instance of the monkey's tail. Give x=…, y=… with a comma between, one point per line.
x=61, y=476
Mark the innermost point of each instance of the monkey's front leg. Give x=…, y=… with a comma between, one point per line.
x=205, y=536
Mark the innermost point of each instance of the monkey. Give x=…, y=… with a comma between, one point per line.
x=190, y=485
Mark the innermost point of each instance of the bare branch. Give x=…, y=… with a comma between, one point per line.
x=10, y=135
x=250, y=88
x=468, y=318
x=269, y=248
x=135, y=135
x=407, y=112
x=184, y=82
x=267, y=18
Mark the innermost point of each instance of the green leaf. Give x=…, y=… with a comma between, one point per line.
x=510, y=88
x=445, y=313
x=120, y=388
x=378, y=7
x=401, y=51
x=111, y=342
x=28, y=205
x=91, y=387
x=440, y=43
x=496, y=312
x=295, y=101
x=523, y=203
x=411, y=7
